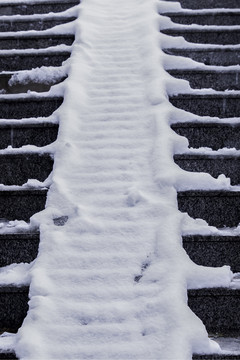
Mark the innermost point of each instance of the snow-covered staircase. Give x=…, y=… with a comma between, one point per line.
x=216, y=47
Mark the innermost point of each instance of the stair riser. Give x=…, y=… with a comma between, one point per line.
x=21, y=205
x=216, y=80
x=18, y=109
x=214, y=166
x=216, y=357
x=220, y=57
x=20, y=136
x=17, y=248
x=30, y=9
x=28, y=61
x=217, y=310
x=38, y=25
x=218, y=209
x=215, y=136
x=14, y=307
x=208, y=4
x=34, y=42
x=17, y=169
x=207, y=37
x=213, y=251
x=222, y=107
x=206, y=19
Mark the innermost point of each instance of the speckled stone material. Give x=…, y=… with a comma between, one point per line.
x=218, y=56
x=213, y=250
x=18, y=135
x=214, y=165
x=9, y=356
x=14, y=301
x=213, y=135
x=33, y=24
x=216, y=357
x=34, y=42
x=28, y=61
x=222, y=106
x=206, y=18
x=217, y=36
x=218, y=80
x=17, y=248
x=217, y=308
x=39, y=7
x=208, y=4
x=21, y=204
x=28, y=107
x=16, y=169
x=218, y=208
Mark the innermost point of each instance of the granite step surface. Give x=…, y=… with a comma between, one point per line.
x=22, y=203
x=208, y=56
x=38, y=7
x=18, y=135
x=215, y=165
x=38, y=24
x=216, y=357
x=230, y=18
x=28, y=107
x=218, y=208
x=213, y=135
x=214, y=105
x=213, y=250
x=14, y=307
x=205, y=36
x=202, y=79
x=18, y=247
x=34, y=41
x=208, y=4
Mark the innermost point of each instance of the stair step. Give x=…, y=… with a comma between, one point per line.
x=34, y=41
x=213, y=250
x=16, y=169
x=217, y=56
x=39, y=24
x=38, y=7
x=18, y=247
x=9, y=356
x=206, y=18
x=213, y=135
x=218, y=208
x=21, y=204
x=19, y=88
x=28, y=61
x=14, y=307
x=216, y=357
x=204, y=36
x=215, y=165
x=208, y=4
x=202, y=79
x=217, y=308
x=27, y=134
x=222, y=106
x=29, y=107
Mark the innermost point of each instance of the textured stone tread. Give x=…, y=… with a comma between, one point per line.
x=208, y=4
x=216, y=357
x=209, y=18
x=34, y=42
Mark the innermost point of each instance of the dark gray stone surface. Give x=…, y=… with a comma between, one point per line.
x=221, y=57
x=207, y=4
x=33, y=24
x=213, y=135
x=216, y=357
x=218, y=208
x=38, y=7
x=218, y=80
x=21, y=204
x=28, y=107
x=220, y=37
x=14, y=307
x=17, y=248
x=16, y=169
x=212, y=164
x=222, y=106
x=217, y=308
x=206, y=18
x=213, y=250
x=15, y=62
x=9, y=356
x=34, y=42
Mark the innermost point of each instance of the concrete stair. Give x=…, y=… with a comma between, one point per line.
x=208, y=4
x=223, y=18
x=34, y=41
